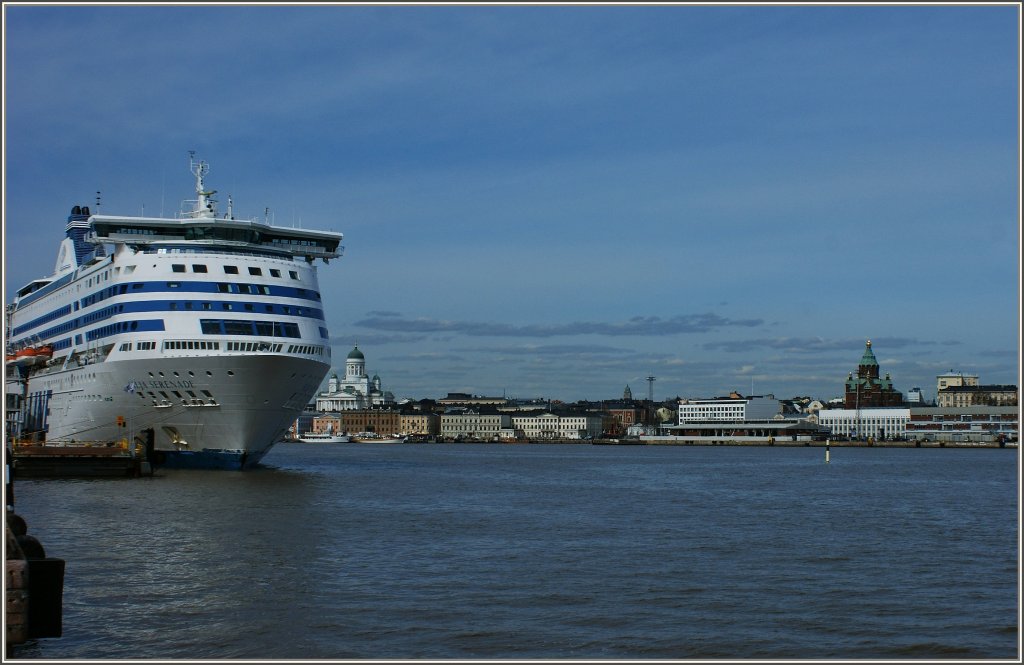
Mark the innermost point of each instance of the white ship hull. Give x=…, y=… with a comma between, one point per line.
x=255, y=399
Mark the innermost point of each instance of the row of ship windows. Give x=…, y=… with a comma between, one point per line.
x=209, y=327
x=229, y=270
x=177, y=394
x=196, y=267
x=164, y=305
x=156, y=287
x=203, y=345
x=203, y=287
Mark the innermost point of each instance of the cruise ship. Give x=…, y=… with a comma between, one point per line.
x=201, y=336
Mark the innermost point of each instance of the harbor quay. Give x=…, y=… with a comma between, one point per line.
x=683, y=441
x=870, y=412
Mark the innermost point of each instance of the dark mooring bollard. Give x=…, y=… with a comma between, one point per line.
x=46, y=597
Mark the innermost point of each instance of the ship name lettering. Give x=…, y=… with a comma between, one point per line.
x=170, y=384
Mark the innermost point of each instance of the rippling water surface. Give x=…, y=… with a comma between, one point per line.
x=541, y=551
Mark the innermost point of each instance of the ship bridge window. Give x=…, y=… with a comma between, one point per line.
x=293, y=274
x=231, y=270
x=178, y=267
x=274, y=272
x=244, y=327
x=198, y=267
x=255, y=271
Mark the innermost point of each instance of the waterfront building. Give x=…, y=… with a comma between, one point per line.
x=878, y=423
x=867, y=390
x=387, y=422
x=326, y=424
x=624, y=415
x=356, y=390
x=968, y=395
x=952, y=379
x=728, y=409
x=558, y=426
x=753, y=419
x=476, y=425
x=422, y=423
x=965, y=424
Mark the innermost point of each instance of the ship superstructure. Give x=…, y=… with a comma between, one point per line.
x=204, y=332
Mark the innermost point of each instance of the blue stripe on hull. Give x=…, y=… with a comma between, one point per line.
x=208, y=459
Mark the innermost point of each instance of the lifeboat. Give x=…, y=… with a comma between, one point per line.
x=30, y=355
x=22, y=357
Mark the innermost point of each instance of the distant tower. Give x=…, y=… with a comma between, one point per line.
x=355, y=364
x=627, y=394
x=650, y=388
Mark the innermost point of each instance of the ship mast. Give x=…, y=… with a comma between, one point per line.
x=204, y=203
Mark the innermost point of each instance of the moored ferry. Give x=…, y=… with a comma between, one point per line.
x=202, y=335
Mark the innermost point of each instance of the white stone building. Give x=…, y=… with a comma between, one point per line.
x=728, y=409
x=537, y=427
x=469, y=424
x=356, y=390
x=878, y=423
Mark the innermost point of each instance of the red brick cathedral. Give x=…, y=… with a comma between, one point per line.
x=866, y=389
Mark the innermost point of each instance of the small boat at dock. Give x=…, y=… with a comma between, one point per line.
x=323, y=437
x=373, y=437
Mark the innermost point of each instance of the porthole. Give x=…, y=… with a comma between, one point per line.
x=230, y=373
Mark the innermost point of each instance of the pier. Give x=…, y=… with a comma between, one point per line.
x=92, y=459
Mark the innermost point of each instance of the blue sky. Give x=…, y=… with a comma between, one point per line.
x=558, y=201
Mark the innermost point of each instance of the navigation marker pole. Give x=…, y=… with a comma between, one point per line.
x=827, y=442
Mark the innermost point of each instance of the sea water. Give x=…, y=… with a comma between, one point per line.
x=454, y=551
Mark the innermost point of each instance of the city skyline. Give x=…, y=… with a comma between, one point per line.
x=561, y=201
